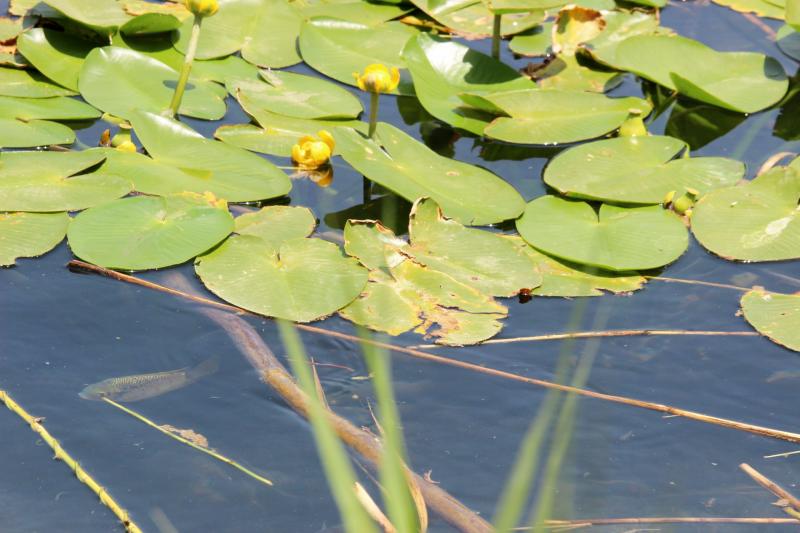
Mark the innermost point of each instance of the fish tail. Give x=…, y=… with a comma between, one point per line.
x=207, y=367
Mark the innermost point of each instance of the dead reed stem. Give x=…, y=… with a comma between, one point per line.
x=786, y=500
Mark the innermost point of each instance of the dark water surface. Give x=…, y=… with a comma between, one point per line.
x=60, y=331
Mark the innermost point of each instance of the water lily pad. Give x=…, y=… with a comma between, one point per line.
x=442, y=70
x=360, y=12
x=549, y=116
x=22, y=124
x=30, y=234
x=467, y=193
x=741, y=81
x=195, y=163
x=50, y=181
x=616, y=238
x=56, y=54
x=119, y=81
x=762, y=8
x=774, y=315
x=103, y=16
x=275, y=224
x=29, y=84
x=279, y=133
x=265, y=31
x=16, y=133
x=637, y=170
x=301, y=279
x=758, y=221
x=788, y=40
x=473, y=18
x=339, y=48
x=296, y=95
x=146, y=232
x=10, y=28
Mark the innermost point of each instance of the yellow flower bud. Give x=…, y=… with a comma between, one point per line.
x=312, y=152
x=633, y=127
x=202, y=8
x=377, y=78
x=126, y=146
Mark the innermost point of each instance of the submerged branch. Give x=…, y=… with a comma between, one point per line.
x=61, y=454
x=662, y=408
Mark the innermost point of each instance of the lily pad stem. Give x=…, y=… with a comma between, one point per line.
x=191, y=50
x=496, y=36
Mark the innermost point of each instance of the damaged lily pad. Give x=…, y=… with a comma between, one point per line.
x=298, y=278
x=146, y=232
x=615, y=238
x=637, y=170
x=30, y=234
x=467, y=193
x=757, y=221
x=774, y=315
x=54, y=181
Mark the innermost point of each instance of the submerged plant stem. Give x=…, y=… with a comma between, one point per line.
x=61, y=454
x=186, y=69
x=82, y=266
x=187, y=442
x=374, y=98
x=496, y=25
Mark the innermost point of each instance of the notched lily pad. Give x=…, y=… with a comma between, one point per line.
x=757, y=221
x=30, y=234
x=774, y=315
x=637, y=170
x=277, y=223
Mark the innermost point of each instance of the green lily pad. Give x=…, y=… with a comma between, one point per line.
x=22, y=124
x=275, y=224
x=10, y=28
x=30, y=234
x=741, y=81
x=296, y=95
x=442, y=70
x=279, y=134
x=301, y=279
x=788, y=40
x=16, y=133
x=50, y=181
x=534, y=42
x=774, y=315
x=569, y=280
x=264, y=31
x=616, y=238
x=473, y=19
x=762, y=8
x=467, y=193
x=119, y=81
x=183, y=160
x=549, y=116
x=28, y=84
x=103, y=16
x=758, y=221
x=637, y=170
x=56, y=54
x=146, y=232
x=366, y=13
x=339, y=48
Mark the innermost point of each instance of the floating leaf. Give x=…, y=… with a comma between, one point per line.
x=637, y=170
x=788, y=40
x=548, y=116
x=296, y=95
x=774, y=315
x=741, y=81
x=758, y=221
x=473, y=19
x=467, y=193
x=442, y=70
x=762, y=8
x=9, y=28
x=27, y=84
x=534, y=42
x=147, y=232
x=194, y=163
x=21, y=124
x=57, y=55
x=119, y=81
x=103, y=16
x=300, y=280
x=265, y=31
x=365, y=13
x=277, y=223
x=616, y=238
x=47, y=181
x=280, y=134
x=338, y=48
x=30, y=234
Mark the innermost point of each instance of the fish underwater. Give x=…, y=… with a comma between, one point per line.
x=142, y=386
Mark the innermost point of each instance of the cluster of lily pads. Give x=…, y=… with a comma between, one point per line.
x=619, y=206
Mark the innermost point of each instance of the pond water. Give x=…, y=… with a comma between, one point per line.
x=60, y=331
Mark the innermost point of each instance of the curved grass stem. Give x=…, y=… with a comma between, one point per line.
x=186, y=69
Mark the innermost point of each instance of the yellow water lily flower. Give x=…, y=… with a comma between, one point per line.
x=377, y=78
x=313, y=152
x=202, y=8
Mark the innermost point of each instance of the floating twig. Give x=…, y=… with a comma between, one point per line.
x=784, y=454
x=420, y=354
x=587, y=522
x=786, y=500
x=62, y=455
x=699, y=282
x=187, y=442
